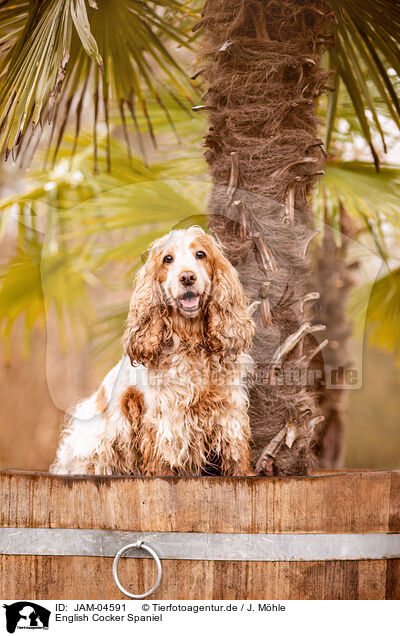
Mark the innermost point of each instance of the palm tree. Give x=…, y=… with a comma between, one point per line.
x=264, y=76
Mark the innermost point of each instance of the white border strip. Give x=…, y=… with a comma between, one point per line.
x=201, y=546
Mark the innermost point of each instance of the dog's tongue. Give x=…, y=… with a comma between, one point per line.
x=190, y=301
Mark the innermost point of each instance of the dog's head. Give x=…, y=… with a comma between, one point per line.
x=187, y=275
x=184, y=268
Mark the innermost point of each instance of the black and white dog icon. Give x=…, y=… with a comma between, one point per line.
x=26, y=615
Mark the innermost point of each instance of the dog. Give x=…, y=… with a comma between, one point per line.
x=177, y=401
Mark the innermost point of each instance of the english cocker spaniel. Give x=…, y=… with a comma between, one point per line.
x=177, y=401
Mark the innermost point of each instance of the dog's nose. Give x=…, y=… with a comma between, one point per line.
x=187, y=278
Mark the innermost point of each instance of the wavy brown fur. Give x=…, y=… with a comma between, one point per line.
x=182, y=407
x=262, y=69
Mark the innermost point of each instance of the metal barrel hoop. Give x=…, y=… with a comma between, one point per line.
x=143, y=546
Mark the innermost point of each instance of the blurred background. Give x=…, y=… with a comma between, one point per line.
x=112, y=158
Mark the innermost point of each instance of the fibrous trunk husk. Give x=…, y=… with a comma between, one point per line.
x=261, y=65
x=334, y=276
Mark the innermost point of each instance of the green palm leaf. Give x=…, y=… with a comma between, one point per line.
x=368, y=45
x=370, y=198
x=107, y=54
x=377, y=306
x=37, y=282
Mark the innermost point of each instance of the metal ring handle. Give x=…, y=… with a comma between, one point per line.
x=139, y=544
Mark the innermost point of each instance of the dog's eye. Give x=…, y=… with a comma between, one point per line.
x=200, y=255
x=168, y=259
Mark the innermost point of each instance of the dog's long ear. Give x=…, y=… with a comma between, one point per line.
x=145, y=330
x=229, y=327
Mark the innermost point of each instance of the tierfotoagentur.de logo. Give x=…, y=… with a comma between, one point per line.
x=26, y=615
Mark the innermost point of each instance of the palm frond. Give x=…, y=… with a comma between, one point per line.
x=370, y=198
x=38, y=281
x=106, y=55
x=377, y=308
x=368, y=46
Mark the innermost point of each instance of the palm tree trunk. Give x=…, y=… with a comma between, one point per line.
x=262, y=69
x=333, y=277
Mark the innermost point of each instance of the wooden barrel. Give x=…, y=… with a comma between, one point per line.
x=332, y=536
